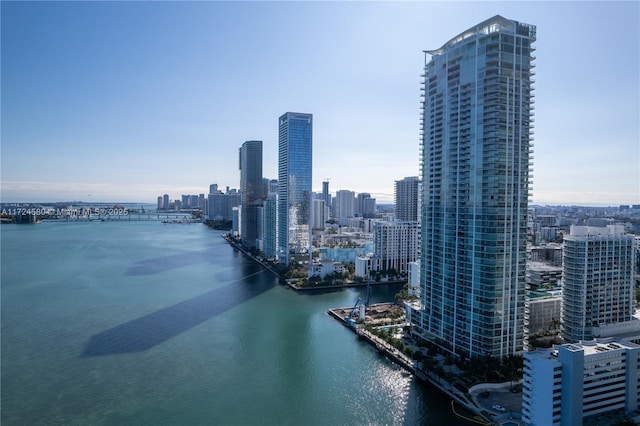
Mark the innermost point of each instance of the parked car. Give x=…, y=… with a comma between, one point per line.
x=498, y=407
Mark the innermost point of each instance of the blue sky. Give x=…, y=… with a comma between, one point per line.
x=125, y=101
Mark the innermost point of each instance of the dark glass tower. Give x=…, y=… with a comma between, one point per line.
x=251, y=190
x=476, y=149
x=406, y=198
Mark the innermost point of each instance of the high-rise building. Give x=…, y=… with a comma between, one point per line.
x=369, y=208
x=221, y=205
x=273, y=186
x=165, y=202
x=269, y=226
x=597, y=280
x=406, y=198
x=326, y=195
x=251, y=190
x=475, y=153
x=318, y=218
x=365, y=205
x=395, y=246
x=294, y=185
x=344, y=206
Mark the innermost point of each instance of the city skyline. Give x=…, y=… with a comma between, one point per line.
x=125, y=101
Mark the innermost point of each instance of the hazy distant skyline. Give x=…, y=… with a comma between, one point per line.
x=125, y=101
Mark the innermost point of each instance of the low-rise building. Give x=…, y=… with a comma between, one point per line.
x=543, y=275
x=542, y=313
x=324, y=268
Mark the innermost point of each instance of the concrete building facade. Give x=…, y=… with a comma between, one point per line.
x=406, y=196
x=567, y=385
x=395, y=246
x=597, y=286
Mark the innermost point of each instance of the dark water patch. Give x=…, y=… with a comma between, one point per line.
x=150, y=330
x=165, y=263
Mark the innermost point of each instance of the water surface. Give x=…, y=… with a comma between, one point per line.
x=142, y=323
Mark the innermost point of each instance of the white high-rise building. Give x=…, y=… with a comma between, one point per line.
x=396, y=245
x=597, y=285
x=267, y=225
x=567, y=385
x=345, y=206
x=318, y=215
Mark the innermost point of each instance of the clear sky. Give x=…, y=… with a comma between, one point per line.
x=125, y=101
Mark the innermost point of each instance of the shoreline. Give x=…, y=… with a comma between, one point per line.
x=252, y=257
x=341, y=286
x=381, y=346
x=410, y=365
x=306, y=288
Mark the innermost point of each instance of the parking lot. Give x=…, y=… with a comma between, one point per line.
x=486, y=399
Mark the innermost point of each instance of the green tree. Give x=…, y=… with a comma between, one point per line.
x=315, y=280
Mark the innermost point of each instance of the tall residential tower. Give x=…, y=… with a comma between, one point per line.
x=406, y=198
x=251, y=190
x=598, y=288
x=476, y=145
x=294, y=186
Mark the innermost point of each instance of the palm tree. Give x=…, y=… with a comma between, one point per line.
x=554, y=325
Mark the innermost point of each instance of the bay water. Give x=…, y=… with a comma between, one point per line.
x=146, y=323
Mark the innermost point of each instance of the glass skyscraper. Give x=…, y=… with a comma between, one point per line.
x=476, y=148
x=294, y=186
x=251, y=190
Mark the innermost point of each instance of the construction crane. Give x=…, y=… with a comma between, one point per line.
x=354, y=307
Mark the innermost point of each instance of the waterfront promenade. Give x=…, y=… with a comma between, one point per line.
x=412, y=366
